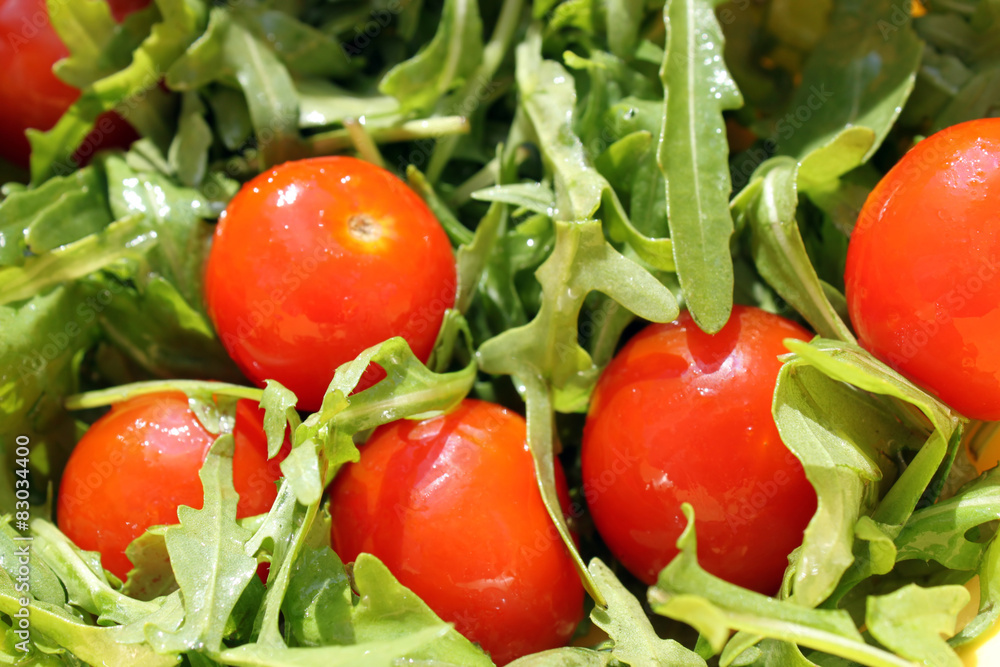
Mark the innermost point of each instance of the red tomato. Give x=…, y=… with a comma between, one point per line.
x=923, y=267
x=315, y=261
x=31, y=95
x=683, y=416
x=450, y=505
x=138, y=463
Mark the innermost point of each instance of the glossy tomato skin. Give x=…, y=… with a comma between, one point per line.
x=138, y=463
x=450, y=505
x=314, y=261
x=923, y=267
x=32, y=96
x=683, y=416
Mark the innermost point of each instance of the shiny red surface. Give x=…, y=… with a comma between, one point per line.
x=450, y=505
x=294, y=292
x=683, y=416
x=138, y=463
x=31, y=95
x=923, y=267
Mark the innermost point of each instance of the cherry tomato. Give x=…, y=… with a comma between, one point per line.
x=138, y=463
x=450, y=505
x=923, y=267
x=683, y=416
x=31, y=95
x=314, y=261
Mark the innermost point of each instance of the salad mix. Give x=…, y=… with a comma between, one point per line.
x=594, y=166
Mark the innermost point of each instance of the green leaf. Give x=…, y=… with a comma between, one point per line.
x=849, y=363
x=102, y=647
x=913, y=621
x=624, y=18
x=570, y=656
x=151, y=575
x=778, y=251
x=156, y=328
x=388, y=611
x=62, y=210
x=548, y=97
x=230, y=52
x=123, y=238
x=182, y=21
x=843, y=440
x=976, y=99
x=188, y=155
x=989, y=597
x=443, y=63
x=177, y=215
x=318, y=606
x=636, y=643
x=86, y=584
x=279, y=414
x=859, y=75
x=939, y=532
x=687, y=593
x=546, y=353
x=322, y=104
x=85, y=28
x=537, y=197
x=207, y=554
x=472, y=258
x=845, y=151
x=376, y=654
x=693, y=157
x=325, y=441
x=43, y=583
x=303, y=49
x=39, y=352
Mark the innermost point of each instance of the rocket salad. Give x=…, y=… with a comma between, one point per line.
x=594, y=166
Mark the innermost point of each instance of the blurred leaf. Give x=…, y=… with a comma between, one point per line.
x=443, y=63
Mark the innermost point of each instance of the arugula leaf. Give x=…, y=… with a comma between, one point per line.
x=989, y=598
x=940, y=531
x=918, y=636
x=692, y=156
x=548, y=95
x=188, y=154
x=860, y=74
x=546, y=353
x=151, y=575
x=564, y=657
x=769, y=205
x=318, y=604
x=208, y=559
x=636, y=643
x=62, y=210
x=231, y=52
x=453, y=54
x=387, y=610
x=685, y=592
x=375, y=653
x=182, y=21
x=86, y=584
x=100, y=646
x=122, y=238
x=841, y=437
x=86, y=29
